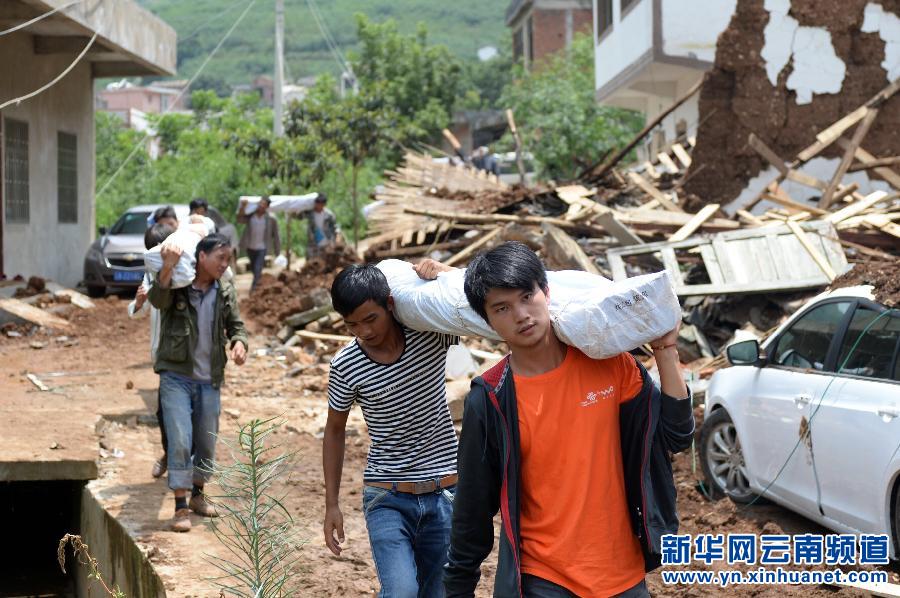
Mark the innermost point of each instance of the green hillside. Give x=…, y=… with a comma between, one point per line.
x=462, y=25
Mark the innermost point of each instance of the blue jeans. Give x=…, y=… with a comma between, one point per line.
x=409, y=535
x=191, y=414
x=257, y=261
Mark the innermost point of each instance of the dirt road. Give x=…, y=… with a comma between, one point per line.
x=113, y=351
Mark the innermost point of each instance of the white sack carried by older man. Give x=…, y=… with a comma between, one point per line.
x=186, y=268
x=600, y=317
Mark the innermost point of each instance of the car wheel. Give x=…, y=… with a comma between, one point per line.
x=96, y=292
x=722, y=459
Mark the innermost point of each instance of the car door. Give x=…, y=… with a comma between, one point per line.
x=856, y=430
x=776, y=445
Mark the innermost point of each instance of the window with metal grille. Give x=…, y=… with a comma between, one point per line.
x=67, y=177
x=604, y=17
x=15, y=170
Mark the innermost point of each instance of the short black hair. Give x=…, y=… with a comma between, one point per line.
x=210, y=243
x=198, y=202
x=511, y=265
x=356, y=284
x=321, y=198
x=164, y=212
x=157, y=233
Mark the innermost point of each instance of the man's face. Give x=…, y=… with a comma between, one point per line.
x=370, y=323
x=521, y=318
x=173, y=222
x=215, y=262
x=262, y=207
x=201, y=211
x=318, y=206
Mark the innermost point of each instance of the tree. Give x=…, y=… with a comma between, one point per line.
x=561, y=123
x=419, y=82
x=357, y=127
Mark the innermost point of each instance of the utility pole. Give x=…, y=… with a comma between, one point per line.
x=279, y=68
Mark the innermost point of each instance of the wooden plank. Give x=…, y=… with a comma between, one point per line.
x=22, y=311
x=572, y=194
x=813, y=252
x=471, y=249
x=866, y=158
x=666, y=161
x=845, y=191
x=671, y=263
x=624, y=235
x=338, y=338
x=806, y=179
x=831, y=134
x=616, y=266
x=694, y=223
x=858, y=135
x=648, y=188
x=407, y=237
x=565, y=250
x=749, y=218
x=692, y=140
x=681, y=154
x=889, y=162
x=857, y=207
x=651, y=170
x=720, y=247
x=783, y=200
x=776, y=253
x=494, y=218
x=891, y=228
x=766, y=152
x=712, y=264
x=677, y=219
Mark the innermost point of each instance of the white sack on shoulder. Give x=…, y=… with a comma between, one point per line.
x=600, y=317
x=282, y=203
x=186, y=268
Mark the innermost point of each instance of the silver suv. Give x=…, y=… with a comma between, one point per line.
x=116, y=258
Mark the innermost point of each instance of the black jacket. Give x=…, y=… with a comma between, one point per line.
x=652, y=425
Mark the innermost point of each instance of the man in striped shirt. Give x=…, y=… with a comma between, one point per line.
x=397, y=377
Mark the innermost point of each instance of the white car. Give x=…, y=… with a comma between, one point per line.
x=811, y=419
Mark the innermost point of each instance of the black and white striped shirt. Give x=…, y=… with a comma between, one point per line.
x=404, y=405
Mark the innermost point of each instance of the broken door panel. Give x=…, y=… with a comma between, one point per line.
x=757, y=260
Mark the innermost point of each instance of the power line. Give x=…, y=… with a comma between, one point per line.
x=178, y=97
x=329, y=39
x=215, y=17
x=38, y=18
x=54, y=81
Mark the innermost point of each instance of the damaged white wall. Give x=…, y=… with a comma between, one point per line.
x=887, y=25
x=816, y=67
x=821, y=168
x=682, y=32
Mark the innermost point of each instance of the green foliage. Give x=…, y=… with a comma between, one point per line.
x=485, y=81
x=559, y=120
x=465, y=26
x=256, y=528
x=417, y=81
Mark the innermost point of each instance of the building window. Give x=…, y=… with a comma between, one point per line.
x=604, y=17
x=15, y=171
x=625, y=5
x=518, y=44
x=67, y=177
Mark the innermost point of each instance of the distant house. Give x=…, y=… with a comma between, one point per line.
x=650, y=52
x=542, y=27
x=47, y=217
x=156, y=98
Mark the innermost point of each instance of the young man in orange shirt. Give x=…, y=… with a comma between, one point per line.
x=574, y=452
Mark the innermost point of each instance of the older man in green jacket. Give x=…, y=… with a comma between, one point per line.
x=197, y=322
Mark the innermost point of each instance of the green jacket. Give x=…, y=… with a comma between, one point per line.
x=178, y=330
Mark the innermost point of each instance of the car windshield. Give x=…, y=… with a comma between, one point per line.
x=131, y=223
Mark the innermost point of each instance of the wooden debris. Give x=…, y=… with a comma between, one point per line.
x=474, y=247
x=653, y=192
x=15, y=309
x=857, y=207
x=810, y=248
x=681, y=154
x=849, y=152
x=694, y=223
x=37, y=382
x=565, y=251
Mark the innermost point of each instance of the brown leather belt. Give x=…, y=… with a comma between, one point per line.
x=416, y=487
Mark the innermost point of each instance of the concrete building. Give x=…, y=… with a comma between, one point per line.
x=156, y=98
x=542, y=27
x=47, y=217
x=650, y=52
